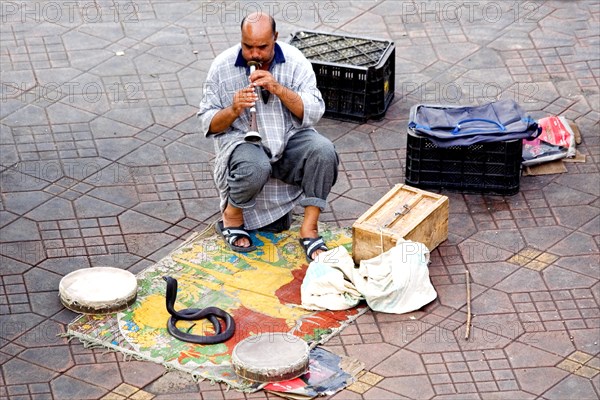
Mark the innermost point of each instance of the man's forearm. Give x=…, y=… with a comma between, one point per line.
x=222, y=120
x=292, y=101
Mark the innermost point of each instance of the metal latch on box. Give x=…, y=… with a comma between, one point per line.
x=405, y=210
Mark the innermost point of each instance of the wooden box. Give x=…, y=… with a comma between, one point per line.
x=404, y=212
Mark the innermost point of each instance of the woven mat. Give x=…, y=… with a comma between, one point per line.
x=260, y=289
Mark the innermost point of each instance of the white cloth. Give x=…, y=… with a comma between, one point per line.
x=325, y=287
x=396, y=281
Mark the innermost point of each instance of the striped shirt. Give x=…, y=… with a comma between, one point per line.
x=227, y=75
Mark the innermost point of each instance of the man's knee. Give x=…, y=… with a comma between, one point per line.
x=323, y=150
x=249, y=162
x=246, y=180
x=254, y=173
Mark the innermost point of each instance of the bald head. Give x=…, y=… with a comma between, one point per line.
x=258, y=38
x=259, y=20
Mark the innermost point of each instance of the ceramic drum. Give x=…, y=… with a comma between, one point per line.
x=98, y=290
x=270, y=357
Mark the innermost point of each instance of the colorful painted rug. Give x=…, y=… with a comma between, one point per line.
x=261, y=290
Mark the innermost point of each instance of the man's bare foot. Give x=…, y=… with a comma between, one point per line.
x=310, y=231
x=309, y=228
x=233, y=217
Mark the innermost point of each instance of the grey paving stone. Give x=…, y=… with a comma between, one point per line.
x=61, y=112
x=21, y=202
x=170, y=211
x=180, y=153
x=85, y=59
x=575, y=244
x=122, y=260
x=76, y=40
x=490, y=274
x=145, y=155
x=544, y=237
x=585, y=264
x=89, y=207
x=145, y=244
x=10, y=154
x=172, y=115
x=510, y=240
x=106, y=375
x=124, y=196
x=18, y=257
x=174, y=382
x=410, y=386
x=523, y=280
x=135, y=222
x=56, y=358
x=62, y=266
x=584, y=183
x=17, y=371
x=371, y=354
x=22, y=229
x=139, y=117
x=39, y=280
x=353, y=143
x=401, y=363
x=575, y=216
x=26, y=116
x=474, y=251
x=573, y=387
x=523, y=356
x=559, y=278
x=51, y=210
x=558, y=343
x=65, y=387
x=200, y=210
x=6, y=217
x=115, y=148
x=140, y=374
x=9, y=106
x=45, y=303
x=538, y=380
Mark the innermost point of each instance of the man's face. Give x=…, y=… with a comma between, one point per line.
x=258, y=42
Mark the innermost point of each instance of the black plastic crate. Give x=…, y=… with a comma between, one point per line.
x=493, y=168
x=355, y=75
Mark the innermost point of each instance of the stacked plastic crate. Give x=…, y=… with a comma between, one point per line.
x=354, y=74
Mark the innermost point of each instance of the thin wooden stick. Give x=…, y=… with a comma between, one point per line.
x=468, y=330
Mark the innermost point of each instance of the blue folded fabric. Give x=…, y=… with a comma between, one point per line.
x=449, y=126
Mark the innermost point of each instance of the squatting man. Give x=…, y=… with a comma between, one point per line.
x=293, y=164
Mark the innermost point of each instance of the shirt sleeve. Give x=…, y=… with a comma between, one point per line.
x=211, y=102
x=306, y=86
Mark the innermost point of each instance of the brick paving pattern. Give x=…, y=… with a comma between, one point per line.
x=101, y=164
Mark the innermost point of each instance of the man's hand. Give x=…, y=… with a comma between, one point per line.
x=288, y=97
x=265, y=80
x=243, y=99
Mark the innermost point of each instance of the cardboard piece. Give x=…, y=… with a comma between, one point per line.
x=549, y=168
x=579, y=158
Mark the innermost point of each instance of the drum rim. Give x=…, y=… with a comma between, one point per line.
x=265, y=374
x=97, y=307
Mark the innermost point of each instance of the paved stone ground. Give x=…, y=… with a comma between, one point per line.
x=101, y=165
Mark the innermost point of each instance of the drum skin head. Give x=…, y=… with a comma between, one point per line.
x=270, y=357
x=98, y=290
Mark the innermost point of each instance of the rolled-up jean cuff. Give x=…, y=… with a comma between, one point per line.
x=313, y=201
x=249, y=204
